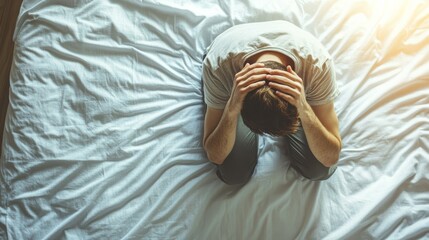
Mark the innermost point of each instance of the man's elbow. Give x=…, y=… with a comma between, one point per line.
x=215, y=160
x=330, y=162
x=212, y=157
x=335, y=156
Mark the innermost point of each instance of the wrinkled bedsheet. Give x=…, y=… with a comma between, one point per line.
x=104, y=127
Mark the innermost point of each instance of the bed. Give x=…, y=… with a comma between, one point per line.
x=103, y=135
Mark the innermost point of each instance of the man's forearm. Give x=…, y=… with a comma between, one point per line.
x=324, y=145
x=221, y=141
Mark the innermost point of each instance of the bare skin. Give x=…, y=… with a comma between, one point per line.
x=271, y=56
x=220, y=124
x=320, y=122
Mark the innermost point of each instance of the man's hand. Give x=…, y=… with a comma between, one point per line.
x=220, y=125
x=251, y=77
x=289, y=86
x=320, y=123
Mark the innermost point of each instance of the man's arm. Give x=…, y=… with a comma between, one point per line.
x=219, y=133
x=320, y=123
x=220, y=125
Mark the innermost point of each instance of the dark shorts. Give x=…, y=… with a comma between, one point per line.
x=240, y=164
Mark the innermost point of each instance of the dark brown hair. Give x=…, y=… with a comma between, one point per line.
x=264, y=112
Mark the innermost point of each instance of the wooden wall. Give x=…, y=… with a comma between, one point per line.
x=9, y=10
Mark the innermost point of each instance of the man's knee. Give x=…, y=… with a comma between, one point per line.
x=304, y=161
x=318, y=173
x=234, y=178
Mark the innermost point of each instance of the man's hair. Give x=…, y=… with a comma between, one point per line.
x=264, y=112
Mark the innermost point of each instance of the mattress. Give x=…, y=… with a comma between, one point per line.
x=103, y=136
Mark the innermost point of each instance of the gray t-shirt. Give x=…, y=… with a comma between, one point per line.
x=229, y=51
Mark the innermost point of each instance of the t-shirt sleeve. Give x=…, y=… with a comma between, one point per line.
x=215, y=92
x=323, y=87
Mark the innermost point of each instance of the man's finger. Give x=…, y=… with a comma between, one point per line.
x=247, y=68
x=288, y=98
x=284, y=81
x=253, y=86
x=252, y=79
x=255, y=71
x=292, y=76
x=285, y=89
x=289, y=69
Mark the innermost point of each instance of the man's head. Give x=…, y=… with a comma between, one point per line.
x=264, y=112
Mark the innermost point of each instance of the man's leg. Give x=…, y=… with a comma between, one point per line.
x=240, y=164
x=303, y=160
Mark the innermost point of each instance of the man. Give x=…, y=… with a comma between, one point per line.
x=269, y=78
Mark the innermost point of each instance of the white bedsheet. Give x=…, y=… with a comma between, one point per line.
x=103, y=132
